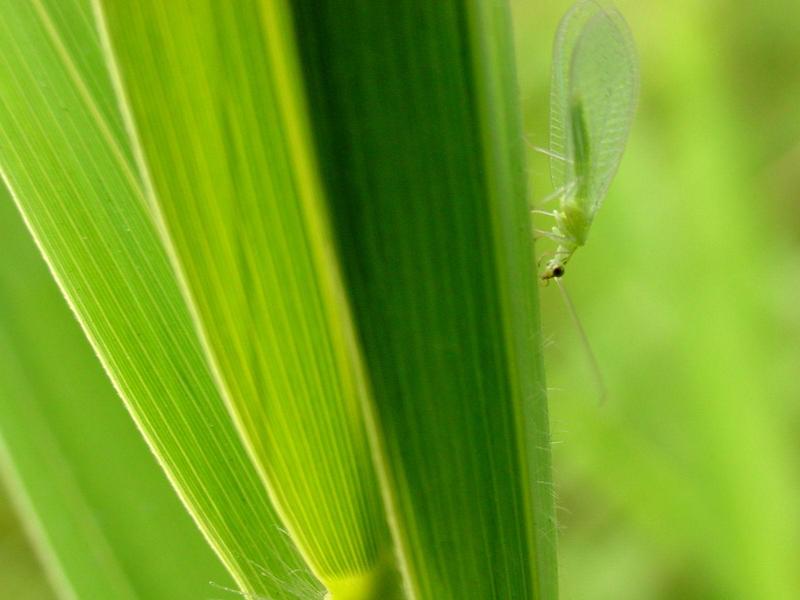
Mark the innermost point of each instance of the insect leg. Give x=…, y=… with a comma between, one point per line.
x=563, y=192
x=552, y=196
x=544, y=258
x=559, y=239
x=546, y=152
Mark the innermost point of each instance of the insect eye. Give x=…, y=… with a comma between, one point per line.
x=558, y=271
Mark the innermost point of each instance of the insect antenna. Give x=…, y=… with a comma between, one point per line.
x=593, y=364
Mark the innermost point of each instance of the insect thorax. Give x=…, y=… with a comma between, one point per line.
x=573, y=222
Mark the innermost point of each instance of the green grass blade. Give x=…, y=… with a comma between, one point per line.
x=92, y=495
x=65, y=160
x=504, y=157
x=418, y=136
x=214, y=101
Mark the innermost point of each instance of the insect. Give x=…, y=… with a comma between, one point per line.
x=595, y=84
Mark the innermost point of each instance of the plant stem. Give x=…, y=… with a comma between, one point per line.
x=383, y=582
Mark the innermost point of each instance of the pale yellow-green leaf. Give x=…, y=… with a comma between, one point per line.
x=214, y=100
x=93, y=499
x=66, y=160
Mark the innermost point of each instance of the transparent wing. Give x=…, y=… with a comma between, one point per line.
x=569, y=30
x=595, y=87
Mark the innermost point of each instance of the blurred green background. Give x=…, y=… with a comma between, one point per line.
x=685, y=483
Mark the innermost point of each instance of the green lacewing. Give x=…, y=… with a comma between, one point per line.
x=595, y=84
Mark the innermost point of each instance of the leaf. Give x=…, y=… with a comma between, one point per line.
x=276, y=144
x=415, y=119
x=93, y=497
x=214, y=100
x=65, y=159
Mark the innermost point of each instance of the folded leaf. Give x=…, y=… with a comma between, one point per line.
x=415, y=117
x=83, y=478
x=213, y=95
x=65, y=158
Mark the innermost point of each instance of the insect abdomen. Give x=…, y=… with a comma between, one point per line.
x=580, y=144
